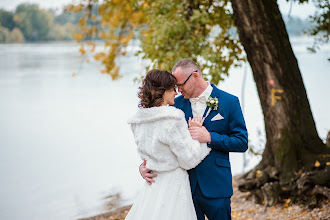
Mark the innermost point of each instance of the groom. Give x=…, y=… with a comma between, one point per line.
x=223, y=129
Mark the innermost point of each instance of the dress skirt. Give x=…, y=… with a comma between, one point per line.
x=168, y=198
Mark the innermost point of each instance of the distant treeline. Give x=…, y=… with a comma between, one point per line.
x=297, y=26
x=28, y=23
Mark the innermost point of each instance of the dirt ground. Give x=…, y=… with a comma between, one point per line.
x=245, y=209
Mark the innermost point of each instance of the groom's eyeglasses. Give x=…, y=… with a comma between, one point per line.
x=182, y=84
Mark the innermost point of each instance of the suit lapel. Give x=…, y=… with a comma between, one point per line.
x=215, y=93
x=207, y=108
x=187, y=109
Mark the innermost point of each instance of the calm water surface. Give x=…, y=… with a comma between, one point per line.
x=64, y=141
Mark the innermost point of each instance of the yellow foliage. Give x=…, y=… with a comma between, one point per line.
x=85, y=29
x=99, y=56
x=82, y=22
x=136, y=18
x=92, y=45
x=103, y=71
x=78, y=8
x=125, y=40
x=102, y=35
x=114, y=21
x=78, y=36
x=317, y=163
x=128, y=8
x=114, y=73
x=94, y=29
x=116, y=2
x=82, y=49
x=258, y=173
x=103, y=23
x=144, y=34
x=69, y=7
x=107, y=44
x=74, y=8
x=166, y=33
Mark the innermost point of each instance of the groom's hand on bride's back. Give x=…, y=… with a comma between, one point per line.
x=146, y=173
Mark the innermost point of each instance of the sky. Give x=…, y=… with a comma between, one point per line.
x=298, y=10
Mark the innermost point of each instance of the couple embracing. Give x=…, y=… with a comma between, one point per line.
x=185, y=144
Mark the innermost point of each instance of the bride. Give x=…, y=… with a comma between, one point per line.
x=163, y=140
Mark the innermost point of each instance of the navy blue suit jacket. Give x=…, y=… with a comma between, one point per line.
x=227, y=135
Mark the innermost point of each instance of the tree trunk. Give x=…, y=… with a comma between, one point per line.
x=292, y=140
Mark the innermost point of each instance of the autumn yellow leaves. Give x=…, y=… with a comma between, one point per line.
x=167, y=31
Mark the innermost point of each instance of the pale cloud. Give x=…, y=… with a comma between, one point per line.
x=56, y=4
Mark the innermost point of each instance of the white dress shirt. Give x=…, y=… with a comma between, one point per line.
x=198, y=105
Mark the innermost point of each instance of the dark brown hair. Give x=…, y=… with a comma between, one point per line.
x=154, y=85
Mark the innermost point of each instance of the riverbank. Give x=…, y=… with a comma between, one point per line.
x=47, y=116
x=244, y=209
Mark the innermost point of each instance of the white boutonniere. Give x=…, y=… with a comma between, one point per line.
x=213, y=104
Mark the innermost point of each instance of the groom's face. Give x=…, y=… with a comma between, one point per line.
x=188, y=89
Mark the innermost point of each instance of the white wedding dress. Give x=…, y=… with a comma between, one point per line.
x=163, y=139
x=168, y=198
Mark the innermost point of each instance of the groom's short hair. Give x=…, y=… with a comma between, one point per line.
x=187, y=66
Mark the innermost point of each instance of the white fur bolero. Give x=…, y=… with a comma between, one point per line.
x=162, y=138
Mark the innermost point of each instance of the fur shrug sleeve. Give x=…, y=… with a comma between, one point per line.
x=189, y=152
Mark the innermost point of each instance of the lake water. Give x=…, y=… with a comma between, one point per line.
x=64, y=142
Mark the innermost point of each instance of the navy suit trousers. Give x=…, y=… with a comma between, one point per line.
x=214, y=208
